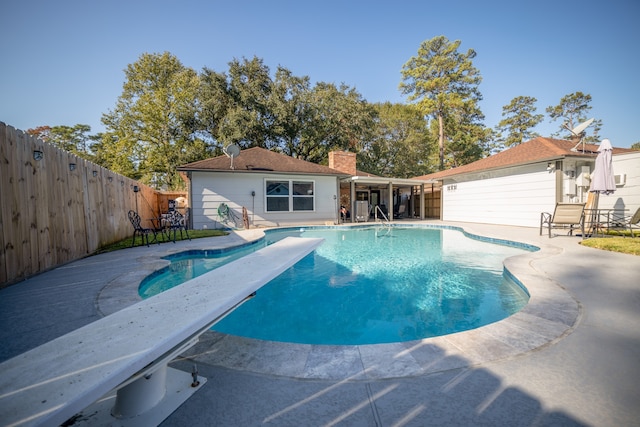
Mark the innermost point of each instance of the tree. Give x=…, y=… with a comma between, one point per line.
x=247, y=107
x=595, y=127
x=635, y=146
x=236, y=106
x=401, y=145
x=468, y=138
x=518, y=122
x=572, y=110
x=292, y=111
x=43, y=133
x=74, y=139
x=151, y=131
x=441, y=80
x=340, y=120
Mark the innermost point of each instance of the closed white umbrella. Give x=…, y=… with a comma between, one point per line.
x=603, y=180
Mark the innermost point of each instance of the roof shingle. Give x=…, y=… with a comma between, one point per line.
x=536, y=150
x=258, y=159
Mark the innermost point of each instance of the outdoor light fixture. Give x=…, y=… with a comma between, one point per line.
x=37, y=155
x=110, y=179
x=72, y=166
x=549, y=166
x=95, y=173
x=135, y=190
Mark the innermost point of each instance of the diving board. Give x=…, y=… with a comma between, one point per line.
x=130, y=349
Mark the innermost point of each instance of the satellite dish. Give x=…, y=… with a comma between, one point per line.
x=581, y=127
x=578, y=132
x=231, y=150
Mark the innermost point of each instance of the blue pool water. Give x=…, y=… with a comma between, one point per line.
x=367, y=285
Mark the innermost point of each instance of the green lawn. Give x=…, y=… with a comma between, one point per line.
x=625, y=245
x=194, y=234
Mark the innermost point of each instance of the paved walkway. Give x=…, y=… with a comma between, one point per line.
x=574, y=362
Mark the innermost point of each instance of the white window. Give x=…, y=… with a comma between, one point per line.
x=289, y=195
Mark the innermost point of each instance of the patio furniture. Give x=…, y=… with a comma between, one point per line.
x=177, y=222
x=626, y=222
x=138, y=229
x=597, y=221
x=565, y=215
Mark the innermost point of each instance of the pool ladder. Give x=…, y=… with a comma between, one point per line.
x=384, y=222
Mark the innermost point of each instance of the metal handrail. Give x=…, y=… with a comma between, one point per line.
x=388, y=223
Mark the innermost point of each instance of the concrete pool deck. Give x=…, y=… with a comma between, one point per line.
x=569, y=358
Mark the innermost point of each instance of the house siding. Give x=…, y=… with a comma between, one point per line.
x=510, y=196
x=209, y=190
x=517, y=195
x=626, y=196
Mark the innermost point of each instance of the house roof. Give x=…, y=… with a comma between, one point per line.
x=260, y=160
x=536, y=150
x=363, y=173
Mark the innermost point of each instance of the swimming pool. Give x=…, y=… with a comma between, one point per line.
x=368, y=285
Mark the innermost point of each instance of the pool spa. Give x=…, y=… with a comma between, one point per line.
x=367, y=285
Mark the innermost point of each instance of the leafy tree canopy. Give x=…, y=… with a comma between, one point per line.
x=572, y=110
x=519, y=120
x=76, y=139
x=442, y=81
x=169, y=115
x=249, y=108
x=401, y=146
x=151, y=130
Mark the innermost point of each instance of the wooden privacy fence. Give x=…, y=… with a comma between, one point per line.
x=56, y=207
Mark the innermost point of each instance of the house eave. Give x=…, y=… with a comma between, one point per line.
x=383, y=180
x=577, y=156
x=259, y=172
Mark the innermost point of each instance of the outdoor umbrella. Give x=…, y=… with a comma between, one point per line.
x=602, y=179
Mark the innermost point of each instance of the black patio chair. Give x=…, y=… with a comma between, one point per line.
x=177, y=222
x=138, y=229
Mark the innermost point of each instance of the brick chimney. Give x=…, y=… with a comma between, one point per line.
x=343, y=161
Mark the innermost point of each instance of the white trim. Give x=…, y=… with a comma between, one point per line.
x=394, y=181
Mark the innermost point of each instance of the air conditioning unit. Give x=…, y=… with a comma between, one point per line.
x=621, y=179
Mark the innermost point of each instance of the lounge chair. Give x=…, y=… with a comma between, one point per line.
x=565, y=215
x=628, y=222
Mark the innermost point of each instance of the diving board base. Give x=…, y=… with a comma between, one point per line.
x=178, y=390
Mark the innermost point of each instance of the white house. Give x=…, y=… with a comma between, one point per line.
x=274, y=189
x=513, y=187
x=626, y=167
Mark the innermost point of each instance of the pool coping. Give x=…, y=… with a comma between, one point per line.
x=550, y=315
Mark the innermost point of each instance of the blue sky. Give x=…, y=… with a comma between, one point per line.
x=62, y=62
